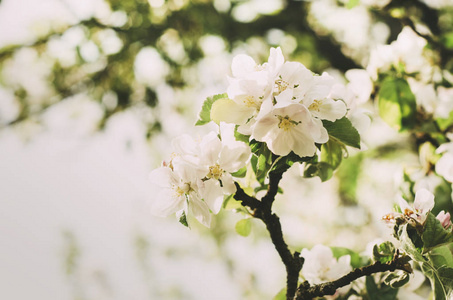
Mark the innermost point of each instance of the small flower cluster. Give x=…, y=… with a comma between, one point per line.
x=279, y=103
x=416, y=215
x=198, y=175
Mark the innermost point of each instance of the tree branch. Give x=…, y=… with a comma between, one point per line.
x=263, y=210
x=307, y=292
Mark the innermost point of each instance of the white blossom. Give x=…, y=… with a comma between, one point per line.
x=178, y=188
x=418, y=212
x=290, y=128
x=321, y=266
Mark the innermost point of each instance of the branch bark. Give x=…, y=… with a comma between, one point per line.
x=263, y=211
x=307, y=292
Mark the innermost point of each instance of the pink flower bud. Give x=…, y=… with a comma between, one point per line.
x=444, y=219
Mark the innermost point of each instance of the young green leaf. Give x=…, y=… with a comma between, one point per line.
x=322, y=169
x=384, y=252
x=343, y=131
x=435, y=234
x=381, y=292
x=183, y=219
x=241, y=137
x=244, y=227
x=332, y=153
x=397, y=106
x=240, y=173
x=396, y=279
x=205, y=113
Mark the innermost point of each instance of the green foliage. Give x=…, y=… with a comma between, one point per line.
x=396, y=279
x=384, y=252
x=183, y=219
x=352, y=3
x=205, y=113
x=356, y=260
x=434, y=234
x=240, y=173
x=379, y=292
x=281, y=295
x=343, y=131
x=397, y=106
x=244, y=227
x=321, y=169
x=332, y=153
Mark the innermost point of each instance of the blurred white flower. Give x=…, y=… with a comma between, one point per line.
x=320, y=265
x=407, y=49
x=444, y=166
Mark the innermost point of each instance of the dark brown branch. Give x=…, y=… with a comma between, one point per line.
x=263, y=210
x=246, y=200
x=307, y=292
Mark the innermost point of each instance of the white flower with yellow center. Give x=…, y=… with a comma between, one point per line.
x=221, y=158
x=290, y=128
x=178, y=188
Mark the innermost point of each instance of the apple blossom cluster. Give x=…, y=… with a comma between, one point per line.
x=198, y=175
x=279, y=103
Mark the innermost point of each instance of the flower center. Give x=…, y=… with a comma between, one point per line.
x=249, y=101
x=286, y=123
x=315, y=105
x=280, y=85
x=182, y=190
x=408, y=212
x=215, y=172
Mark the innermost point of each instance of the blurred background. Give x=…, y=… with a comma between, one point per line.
x=93, y=91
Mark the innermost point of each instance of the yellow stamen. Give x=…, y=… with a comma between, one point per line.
x=286, y=123
x=315, y=105
x=215, y=172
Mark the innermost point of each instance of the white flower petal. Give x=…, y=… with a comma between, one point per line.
x=227, y=110
x=213, y=195
x=424, y=201
x=200, y=211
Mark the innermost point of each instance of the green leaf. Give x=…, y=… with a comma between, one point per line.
x=434, y=234
x=408, y=246
x=332, y=153
x=348, y=174
x=384, y=252
x=441, y=280
x=322, y=170
x=396, y=102
x=183, y=219
x=205, y=113
x=352, y=3
x=241, y=137
x=356, y=260
x=382, y=292
x=343, y=131
x=441, y=257
x=240, y=173
x=281, y=295
x=261, y=161
x=244, y=227
x=396, y=279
